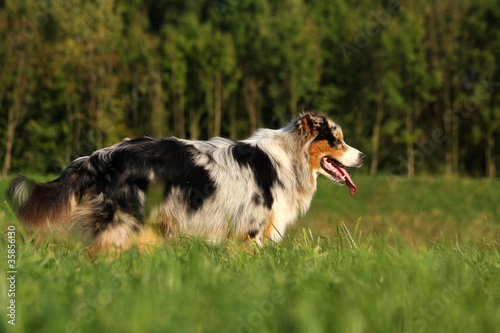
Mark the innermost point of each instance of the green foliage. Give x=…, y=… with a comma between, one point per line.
x=391, y=73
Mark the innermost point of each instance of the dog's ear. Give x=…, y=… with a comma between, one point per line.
x=310, y=123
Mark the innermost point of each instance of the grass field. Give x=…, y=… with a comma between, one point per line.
x=401, y=255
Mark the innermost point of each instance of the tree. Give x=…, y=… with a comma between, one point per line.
x=405, y=79
x=250, y=25
x=294, y=47
x=413, y=84
x=483, y=80
x=444, y=44
x=18, y=77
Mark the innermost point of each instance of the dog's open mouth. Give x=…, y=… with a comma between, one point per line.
x=338, y=173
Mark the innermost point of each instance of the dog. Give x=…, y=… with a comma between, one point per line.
x=217, y=189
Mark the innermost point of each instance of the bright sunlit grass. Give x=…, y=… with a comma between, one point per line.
x=361, y=269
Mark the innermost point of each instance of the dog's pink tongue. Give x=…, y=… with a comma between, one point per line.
x=350, y=184
x=348, y=180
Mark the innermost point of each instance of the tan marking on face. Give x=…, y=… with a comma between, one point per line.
x=320, y=149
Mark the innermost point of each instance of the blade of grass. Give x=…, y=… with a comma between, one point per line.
x=18, y=225
x=350, y=240
x=396, y=232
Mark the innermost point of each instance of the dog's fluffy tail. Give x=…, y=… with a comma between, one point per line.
x=46, y=204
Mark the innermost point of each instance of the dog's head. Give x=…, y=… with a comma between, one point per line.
x=328, y=153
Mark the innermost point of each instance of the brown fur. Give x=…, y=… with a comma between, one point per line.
x=269, y=228
x=320, y=149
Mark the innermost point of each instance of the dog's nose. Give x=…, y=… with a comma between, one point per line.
x=363, y=156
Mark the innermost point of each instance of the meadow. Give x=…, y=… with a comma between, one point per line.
x=419, y=255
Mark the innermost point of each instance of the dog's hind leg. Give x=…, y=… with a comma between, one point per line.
x=109, y=225
x=147, y=240
x=255, y=237
x=266, y=232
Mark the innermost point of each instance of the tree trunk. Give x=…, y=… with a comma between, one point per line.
x=455, y=150
x=78, y=129
x=182, y=119
x=251, y=94
x=70, y=118
x=15, y=114
x=194, y=120
x=218, y=103
x=232, y=118
x=293, y=96
x=376, y=138
x=409, y=145
x=9, y=142
x=490, y=157
x=209, y=103
x=94, y=88
x=175, y=104
x=448, y=130
x=158, y=117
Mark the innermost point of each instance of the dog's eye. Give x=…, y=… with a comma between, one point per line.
x=335, y=143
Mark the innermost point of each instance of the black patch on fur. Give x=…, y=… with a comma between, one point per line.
x=253, y=233
x=122, y=177
x=172, y=161
x=193, y=180
x=256, y=199
x=264, y=172
x=326, y=134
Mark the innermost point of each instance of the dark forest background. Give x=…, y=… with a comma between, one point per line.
x=414, y=84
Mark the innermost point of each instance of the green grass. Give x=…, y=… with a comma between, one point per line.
x=424, y=211
x=389, y=272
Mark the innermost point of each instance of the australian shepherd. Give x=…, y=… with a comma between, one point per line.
x=216, y=189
